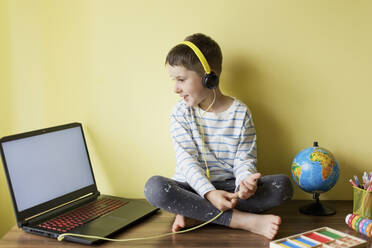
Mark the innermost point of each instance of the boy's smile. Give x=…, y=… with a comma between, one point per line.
x=188, y=85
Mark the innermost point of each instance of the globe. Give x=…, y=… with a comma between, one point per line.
x=315, y=170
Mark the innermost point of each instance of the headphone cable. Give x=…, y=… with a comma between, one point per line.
x=202, y=133
x=62, y=236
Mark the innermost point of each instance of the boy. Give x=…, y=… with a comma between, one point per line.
x=215, y=147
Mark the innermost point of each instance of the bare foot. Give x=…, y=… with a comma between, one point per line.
x=182, y=222
x=263, y=224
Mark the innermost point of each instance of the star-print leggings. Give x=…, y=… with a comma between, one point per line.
x=179, y=198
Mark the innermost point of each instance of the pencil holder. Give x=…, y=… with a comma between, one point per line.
x=362, y=204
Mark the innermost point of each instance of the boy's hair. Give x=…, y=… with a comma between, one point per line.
x=182, y=55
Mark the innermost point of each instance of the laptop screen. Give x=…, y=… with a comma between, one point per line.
x=47, y=166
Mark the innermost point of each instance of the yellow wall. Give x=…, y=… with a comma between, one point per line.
x=302, y=66
x=6, y=211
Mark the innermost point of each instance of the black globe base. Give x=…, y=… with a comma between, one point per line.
x=317, y=208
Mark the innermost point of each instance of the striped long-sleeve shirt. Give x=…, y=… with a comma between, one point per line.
x=230, y=145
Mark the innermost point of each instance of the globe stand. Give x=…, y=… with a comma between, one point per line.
x=317, y=208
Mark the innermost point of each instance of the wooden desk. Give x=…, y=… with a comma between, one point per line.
x=209, y=236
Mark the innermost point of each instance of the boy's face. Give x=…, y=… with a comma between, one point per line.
x=188, y=84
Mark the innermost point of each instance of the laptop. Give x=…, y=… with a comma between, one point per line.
x=54, y=191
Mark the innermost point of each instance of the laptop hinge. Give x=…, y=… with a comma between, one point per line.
x=60, y=208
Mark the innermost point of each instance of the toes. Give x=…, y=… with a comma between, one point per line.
x=270, y=235
x=275, y=227
x=273, y=233
x=175, y=227
x=278, y=220
x=178, y=223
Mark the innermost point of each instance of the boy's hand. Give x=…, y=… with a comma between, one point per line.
x=248, y=186
x=221, y=199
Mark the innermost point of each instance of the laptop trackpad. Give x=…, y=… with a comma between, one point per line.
x=104, y=225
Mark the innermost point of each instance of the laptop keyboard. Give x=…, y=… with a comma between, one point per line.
x=84, y=214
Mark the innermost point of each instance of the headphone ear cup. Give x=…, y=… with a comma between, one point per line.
x=210, y=80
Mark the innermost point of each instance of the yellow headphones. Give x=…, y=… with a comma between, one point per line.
x=210, y=78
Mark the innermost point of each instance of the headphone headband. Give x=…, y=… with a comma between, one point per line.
x=210, y=79
x=199, y=54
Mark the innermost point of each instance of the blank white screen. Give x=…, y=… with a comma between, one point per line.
x=47, y=166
